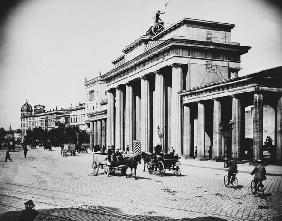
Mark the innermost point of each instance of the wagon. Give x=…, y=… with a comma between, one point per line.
x=113, y=168
x=162, y=163
x=99, y=161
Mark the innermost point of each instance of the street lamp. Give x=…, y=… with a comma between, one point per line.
x=161, y=132
x=226, y=131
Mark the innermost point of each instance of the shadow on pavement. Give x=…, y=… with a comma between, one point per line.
x=92, y=213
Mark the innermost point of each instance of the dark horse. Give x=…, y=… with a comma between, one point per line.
x=132, y=163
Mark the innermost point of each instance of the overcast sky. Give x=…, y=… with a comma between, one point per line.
x=47, y=48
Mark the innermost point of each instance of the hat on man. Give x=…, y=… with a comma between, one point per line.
x=29, y=204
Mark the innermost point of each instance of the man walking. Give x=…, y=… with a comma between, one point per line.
x=8, y=157
x=25, y=149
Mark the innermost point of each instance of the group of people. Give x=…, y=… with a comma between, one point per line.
x=115, y=156
x=259, y=173
x=8, y=156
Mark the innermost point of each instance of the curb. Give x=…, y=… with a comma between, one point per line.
x=216, y=168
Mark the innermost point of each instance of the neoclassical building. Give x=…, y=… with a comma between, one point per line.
x=179, y=86
x=146, y=79
x=96, y=110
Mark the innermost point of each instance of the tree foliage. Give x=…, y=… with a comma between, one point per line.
x=57, y=136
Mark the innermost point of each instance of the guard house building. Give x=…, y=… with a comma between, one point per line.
x=159, y=91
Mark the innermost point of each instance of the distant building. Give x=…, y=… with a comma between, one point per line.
x=39, y=117
x=96, y=110
x=77, y=116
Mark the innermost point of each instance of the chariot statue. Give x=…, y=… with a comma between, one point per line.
x=158, y=25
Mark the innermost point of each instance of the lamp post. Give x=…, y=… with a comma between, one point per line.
x=161, y=134
x=226, y=131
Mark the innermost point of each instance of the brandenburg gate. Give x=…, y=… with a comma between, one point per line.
x=182, y=81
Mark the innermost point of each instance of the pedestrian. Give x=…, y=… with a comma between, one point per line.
x=210, y=152
x=8, y=157
x=195, y=152
x=25, y=150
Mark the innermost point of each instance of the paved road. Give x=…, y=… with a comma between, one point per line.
x=65, y=189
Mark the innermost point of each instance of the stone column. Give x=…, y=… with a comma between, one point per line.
x=95, y=133
x=119, y=119
x=176, y=86
x=217, y=137
x=257, y=126
x=236, y=131
x=99, y=133
x=159, y=111
x=279, y=131
x=145, y=114
x=103, y=133
x=201, y=130
x=91, y=135
x=111, y=119
x=129, y=116
x=188, y=77
x=187, y=131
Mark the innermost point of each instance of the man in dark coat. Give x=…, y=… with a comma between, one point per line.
x=260, y=174
x=232, y=171
x=8, y=157
x=25, y=150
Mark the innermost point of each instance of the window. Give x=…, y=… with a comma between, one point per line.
x=91, y=95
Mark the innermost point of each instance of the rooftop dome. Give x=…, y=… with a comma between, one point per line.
x=26, y=107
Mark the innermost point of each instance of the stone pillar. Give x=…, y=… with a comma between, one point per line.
x=176, y=86
x=145, y=114
x=188, y=77
x=103, y=133
x=95, y=133
x=217, y=137
x=159, y=110
x=236, y=130
x=129, y=116
x=201, y=130
x=186, y=131
x=279, y=131
x=138, y=115
x=99, y=133
x=257, y=126
x=91, y=135
x=111, y=119
x=119, y=119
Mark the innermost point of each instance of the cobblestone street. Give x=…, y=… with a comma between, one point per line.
x=65, y=189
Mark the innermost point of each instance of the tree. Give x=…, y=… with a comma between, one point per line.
x=2, y=134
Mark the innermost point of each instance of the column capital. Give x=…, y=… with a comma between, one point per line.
x=145, y=77
x=176, y=65
x=158, y=72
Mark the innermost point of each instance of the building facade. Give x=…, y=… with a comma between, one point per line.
x=47, y=120
x=96, y=111
x=77, y=116
x=144, y=85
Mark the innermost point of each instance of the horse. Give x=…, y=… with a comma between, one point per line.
x=146, y=158
x=132, y=163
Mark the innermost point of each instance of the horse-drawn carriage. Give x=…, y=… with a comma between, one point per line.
x=112, y=164
x=161, y=163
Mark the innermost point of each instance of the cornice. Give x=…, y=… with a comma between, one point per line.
x=170, y=43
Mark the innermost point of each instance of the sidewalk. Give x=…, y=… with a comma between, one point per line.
x=272, y=170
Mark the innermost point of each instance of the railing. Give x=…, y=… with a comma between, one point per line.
x=152, y=44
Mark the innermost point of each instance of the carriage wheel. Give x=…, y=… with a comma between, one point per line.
x=95, y=168
x=177, y=170
x=160, y=167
